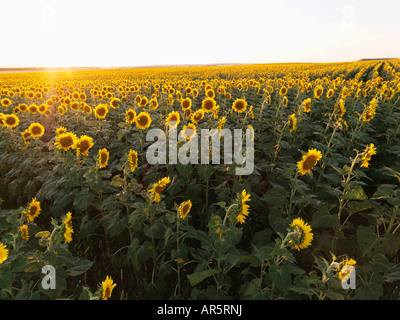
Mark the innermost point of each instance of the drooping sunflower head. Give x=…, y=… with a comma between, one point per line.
x=370, y=150
x=133, y=160
x=158, y=188
x=107, y=287
x=68, y=229
x=83, y=144
x=301, y=234
x=239, y=105
x=208, y=104
x=184, y=208
x=66, y=141
x=103, y=157
x=143, y=120
x=309, y=161
x=3, y=253
x=293, y=122
x=36, y=130
x=244, y=208
x=33, y=210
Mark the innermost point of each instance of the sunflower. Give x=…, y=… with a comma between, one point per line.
x=68, y=230
x=293, y=122
x=33, y=210
x=208, y=104
x=329, y=94
x=370, y=150
x=133, y=160
x=210, y=93
x=342, y=108
x=32, y=108
x=153, y=103
x=103, y=157
x=283, y=91
x=24, y=232
x=197, y=116
x=130, y=116
x=143, y=120
x=61, y=130
x=23, y=107
x=302, y=234
x=318, y=91
x=369, y=113
x=309, y=161
x=143, y=102
x=101, y=111
x=83, y=144
x=26, y=136
x=107, y=287
x=3, y=253
x=115, y=102
x=189, y=131
x=239, y=105
x=186, y=103
x=5, y=102
x=244, y=209
x=66, y=141
x=221, y=123
x=184, y=208
x=343, y=269
x=10, y=120
x=173, y=119
x=158, y=188
x=36, y=130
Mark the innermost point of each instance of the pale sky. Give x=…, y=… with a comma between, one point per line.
x=153, y=32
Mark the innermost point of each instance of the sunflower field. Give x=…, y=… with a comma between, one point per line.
x=322, y=203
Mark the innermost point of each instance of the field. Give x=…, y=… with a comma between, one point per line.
x=316, y=218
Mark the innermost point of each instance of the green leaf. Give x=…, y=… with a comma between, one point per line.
x=117, y=181
x=197, y=277
x=357, y=193
x=80, y=266
x=183, y=170
x=323, y=219
x=281, y=277
x=5, y=277
x=367, y=238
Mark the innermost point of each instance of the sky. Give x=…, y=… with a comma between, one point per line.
x=88, y=33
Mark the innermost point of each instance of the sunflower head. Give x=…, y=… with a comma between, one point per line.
x=101, y=111
x=3, y=253
x=107, y=287
x=83, y=144
x=184, y=209
x=143, y=120
x=10, y=120
x=133, y=160
x=33, y=210
x=103, y=157
x=172, y=120
x=66, y=141
x=189, y=131
x=239, y=105
x=197, y=116
x=309, y=161
x=36, y=130
x=300, y=235
x=244, y=207
x=208, y=104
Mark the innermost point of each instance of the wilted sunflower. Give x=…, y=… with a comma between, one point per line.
x=143, y=120
x=184, y=208
x=66, y=141
x=103, y=157
x=186, y=103
x=133, y=160
x=107, y=287
x=197, y=116
x=24, y=232
x=10, y=120
x=68, y=230
x=189, y=131
x=303, y=236
x=309, y=161
x=83, y=144
x=3, y=253
x=33, y=210
x=244, y=209
x=36, y=130
x=158, y=188
x=370, y=150
x=173, y=119
x=208, y=104
x=130, y=116
x=101, y=111
x=239, y=105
